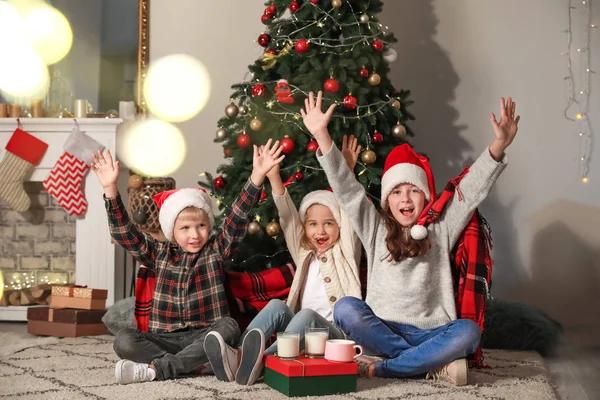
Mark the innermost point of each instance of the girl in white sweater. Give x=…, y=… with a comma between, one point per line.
x=409, y=315
x=326, y=251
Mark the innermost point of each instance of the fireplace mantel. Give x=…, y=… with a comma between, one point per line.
x=95, y=253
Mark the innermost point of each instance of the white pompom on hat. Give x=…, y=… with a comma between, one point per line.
x=404, y=165
x=171, y=202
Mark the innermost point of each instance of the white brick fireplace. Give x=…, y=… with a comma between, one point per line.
x=95, y=253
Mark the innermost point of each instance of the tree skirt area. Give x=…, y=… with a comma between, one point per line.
x=83, y=368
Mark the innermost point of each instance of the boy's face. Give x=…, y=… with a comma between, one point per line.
x=321, y=229
x=191, y=230
x=406, y=202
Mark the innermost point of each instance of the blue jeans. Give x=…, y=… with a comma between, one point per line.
x=278, y=317
x=407, y=350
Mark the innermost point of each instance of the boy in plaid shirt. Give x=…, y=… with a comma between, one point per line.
x=189, y=300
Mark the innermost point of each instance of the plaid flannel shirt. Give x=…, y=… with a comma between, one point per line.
x=190, y=288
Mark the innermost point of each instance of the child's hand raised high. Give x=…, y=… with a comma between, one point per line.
x=314, y=119
x=107, y=172
x=350, y=150
x=505, y=130
x=264, y=160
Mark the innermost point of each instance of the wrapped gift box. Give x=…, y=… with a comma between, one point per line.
x=65, y=322
x=310, y=376
x=78, y=297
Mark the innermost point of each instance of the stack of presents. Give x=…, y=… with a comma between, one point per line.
x=72, y=311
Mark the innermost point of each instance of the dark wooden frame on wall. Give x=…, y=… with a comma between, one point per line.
x=143, y=52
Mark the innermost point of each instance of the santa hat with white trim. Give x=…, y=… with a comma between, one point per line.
x=171, y=202
x=404, y=165
x=324, y=198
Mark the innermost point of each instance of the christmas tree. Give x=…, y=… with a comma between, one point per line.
x=339, y=47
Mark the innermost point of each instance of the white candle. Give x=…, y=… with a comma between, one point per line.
x=288, y=345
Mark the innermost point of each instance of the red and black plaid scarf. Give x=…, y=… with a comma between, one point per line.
x=471, y=262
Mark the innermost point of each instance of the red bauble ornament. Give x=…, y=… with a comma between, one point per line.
x=294, y=6
x=263, y=196
x=271, y=9
x=314, y=1
x=266, y=19
x=312, y=146
x=364, y=72
x=378, y=45
x=264, y=40
x=331, y=85
x=258, y=90
x=377, y=137
x=244, y=140
x=298, y=176
x=350, y=102
x=302, y=46
x=287, y=145
x=219, y=182
x=227, y=152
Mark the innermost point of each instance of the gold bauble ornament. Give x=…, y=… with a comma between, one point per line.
x=368, y=156
x=254, y=228
x=364, y=18
x=396, y=104
x=232, y=110
x=255, y=124
x=243, y=109
x=336, y=3
x=135, y=182
x=374, y=79
x=273, y=228
x=221, y=134
x=398, y=131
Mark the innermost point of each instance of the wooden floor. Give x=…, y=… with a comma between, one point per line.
x=575, y=370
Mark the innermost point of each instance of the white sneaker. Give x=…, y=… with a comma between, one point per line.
x=223, y=358
x=130, y=372
x=253, y=349
x=456, y=372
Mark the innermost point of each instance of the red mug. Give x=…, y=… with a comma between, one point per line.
x=340, y=350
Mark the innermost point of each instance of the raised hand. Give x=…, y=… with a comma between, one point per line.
x=107, y=172
x=264, y=159
x=350, y=150
x=506, y=129
x=316, y=120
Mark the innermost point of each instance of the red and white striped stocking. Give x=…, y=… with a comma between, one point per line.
x=64, y=181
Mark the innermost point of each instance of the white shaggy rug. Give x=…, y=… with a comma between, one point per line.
x=83, y=368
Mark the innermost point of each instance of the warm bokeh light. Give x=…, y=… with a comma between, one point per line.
x=23, y=76
x=49, y=33
x=11, y=26
x=177, y=87
x=153, y=148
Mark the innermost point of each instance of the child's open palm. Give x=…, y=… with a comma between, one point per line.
x=350, y=150
x=316, y=120
x=506, y=129
x=105, y=169
x=267, y=157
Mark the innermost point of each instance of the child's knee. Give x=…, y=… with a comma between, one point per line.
x=124, y=343
x=228, y=328
x=470, y=334
x=345, y=308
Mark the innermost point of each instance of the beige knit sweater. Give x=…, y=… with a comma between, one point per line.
x=339, y=265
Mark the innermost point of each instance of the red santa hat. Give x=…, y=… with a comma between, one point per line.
x=171, y=202
x=404, y=165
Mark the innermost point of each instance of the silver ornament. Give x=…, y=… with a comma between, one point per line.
x=254, y=228
x=231, y=111
x=364, y=18
x=390, y=55
x=243, y=109
x=398, y=131
x=221, y=134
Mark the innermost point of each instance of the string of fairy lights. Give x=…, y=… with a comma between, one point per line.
x=579, y=99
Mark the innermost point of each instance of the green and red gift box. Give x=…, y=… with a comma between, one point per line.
x=310, y=376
